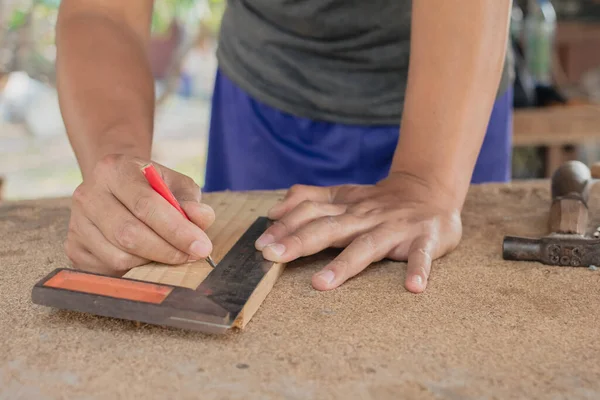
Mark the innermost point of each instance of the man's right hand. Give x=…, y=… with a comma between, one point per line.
x=119, y=222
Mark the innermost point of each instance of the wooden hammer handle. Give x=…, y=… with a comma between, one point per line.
x=570, y=187
x=595, y=169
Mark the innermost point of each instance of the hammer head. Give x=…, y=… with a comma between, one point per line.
x=554, y=249
x=567, y=245
x=571, y=178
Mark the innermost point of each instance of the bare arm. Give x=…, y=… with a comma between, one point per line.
x=106, y=93
x=105, y=85
x=457, y=55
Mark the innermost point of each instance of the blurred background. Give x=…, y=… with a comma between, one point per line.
x=555, y=46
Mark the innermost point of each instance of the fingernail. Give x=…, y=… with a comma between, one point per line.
x=276, y=248
x=264, y=240
x=205, y=208
x=418, y=280
x=199, y=249
x=327, y=276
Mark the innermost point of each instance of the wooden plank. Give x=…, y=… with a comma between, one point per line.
x=233, y=216
x=576, y=46
x=556, y=155
x=259, y=295
x=556, y=125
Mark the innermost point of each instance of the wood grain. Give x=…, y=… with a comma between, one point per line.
x=568, y=216
x=595, y=170
x=556, y=125
x=234, y=214
x=576, y=47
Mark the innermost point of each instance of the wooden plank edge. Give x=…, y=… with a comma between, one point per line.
x=258, y=296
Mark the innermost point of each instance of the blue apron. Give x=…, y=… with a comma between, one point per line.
x=253, y=146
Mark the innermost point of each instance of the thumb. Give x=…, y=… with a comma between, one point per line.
x=419, y=262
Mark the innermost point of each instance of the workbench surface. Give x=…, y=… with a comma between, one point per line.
x=484, y=329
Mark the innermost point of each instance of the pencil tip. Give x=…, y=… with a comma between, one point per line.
x=211, y=262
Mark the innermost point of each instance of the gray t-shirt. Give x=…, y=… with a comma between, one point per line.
x=341, y=61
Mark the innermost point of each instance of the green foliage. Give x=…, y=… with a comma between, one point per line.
x=217, y=7
x=40, y=8
x=165, y=11
x=17, y=19
x=36, y=19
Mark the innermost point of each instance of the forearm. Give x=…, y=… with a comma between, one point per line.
x=456, y=60
x=106, y=88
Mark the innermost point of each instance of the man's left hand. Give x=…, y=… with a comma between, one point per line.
x=401, y=218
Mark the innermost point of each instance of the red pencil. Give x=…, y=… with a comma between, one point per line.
x=159, y=185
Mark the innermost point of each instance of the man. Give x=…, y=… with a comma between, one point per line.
x=316, y=95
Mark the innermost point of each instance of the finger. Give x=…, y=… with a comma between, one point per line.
x=419, y=263
x=365, y=249
x=200, y=214
x=154, y=211
x=316, y=236
x=185, y=189
x=189, y=196
x=112, y=257
x=83, y=260
x=296, y=195
x=304, y=213
x=129, y=234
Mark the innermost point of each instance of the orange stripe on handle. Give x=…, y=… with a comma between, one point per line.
x=108, y=286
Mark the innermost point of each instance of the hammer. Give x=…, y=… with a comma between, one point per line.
x=567, y=244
